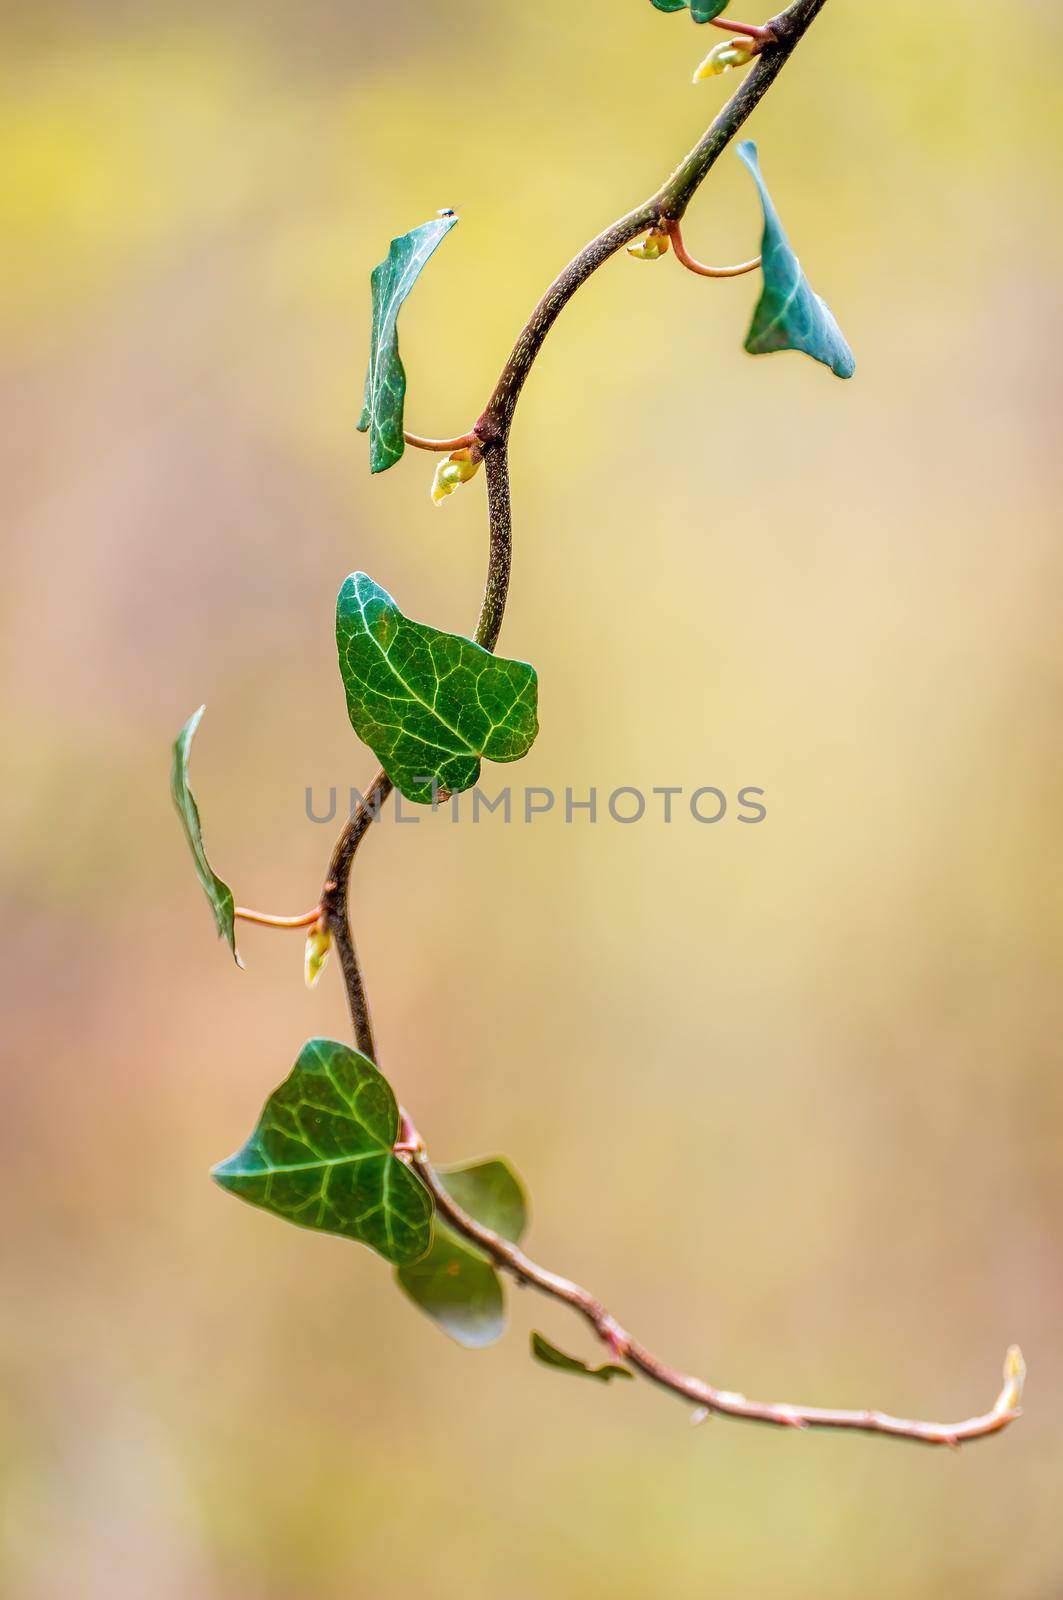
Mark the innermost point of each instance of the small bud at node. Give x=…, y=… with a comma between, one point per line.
x=454, y=471
x=651, y=246
x=731, y=53
x=318, y=945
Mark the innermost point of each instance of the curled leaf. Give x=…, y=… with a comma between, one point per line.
x=217, y=892
x=551, y=1356
x=789, y=314
x=385, y=383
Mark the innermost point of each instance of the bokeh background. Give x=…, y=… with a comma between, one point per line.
x=788, y=1096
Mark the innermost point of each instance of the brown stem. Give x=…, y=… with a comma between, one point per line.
x=265, y=920
x=683, y=256
x=694, y=1390
x=500, y=551
x=334, y=905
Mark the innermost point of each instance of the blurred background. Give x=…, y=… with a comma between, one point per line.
x=787, y=1096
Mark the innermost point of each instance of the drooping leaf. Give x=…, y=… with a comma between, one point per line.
x=491, y=1193
x=551, y=1356
x=789, y=314
x=700, y=10
x=218, y=893
x=455, y=1283
x=429, y=704
x=321, y=1156
x=385, y=381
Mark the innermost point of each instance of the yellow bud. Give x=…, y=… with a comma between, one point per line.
x=453, y=472
x=318, y=945
x=650, y=247
x=1010, y=1397
x=731, y=53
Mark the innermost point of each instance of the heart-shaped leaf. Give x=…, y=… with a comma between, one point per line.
x=322, y=1156
x=385, y=382
x=700, y=10
x=218, y=893
x=551, y=1356
x=455, y=1283
x=428, y=704
x=789, y=314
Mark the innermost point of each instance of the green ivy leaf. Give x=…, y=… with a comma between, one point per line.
x=551, y=1356
x=218, y=893
x=789, y=314
x=700, y=10
x=321, y=1156
x=385, y=381
x=455, y=1283
x=428, y=704
x=491, y=1193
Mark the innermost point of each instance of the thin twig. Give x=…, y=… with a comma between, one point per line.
x=441, y=446
x=694, y=1390
x=752, y=30
x=683, y=256
x=265, y=920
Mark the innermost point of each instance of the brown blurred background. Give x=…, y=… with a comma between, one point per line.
x=787, y=1096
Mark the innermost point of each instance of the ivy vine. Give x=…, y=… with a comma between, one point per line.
x=332, y=1149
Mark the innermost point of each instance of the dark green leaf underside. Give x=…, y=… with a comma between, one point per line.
x=321, y=1156
x=455, y=1283
x=700, y=10
x=218, y=893
x=428, y=704
x=385, y=382
x=551, y=1356
x=789, y=314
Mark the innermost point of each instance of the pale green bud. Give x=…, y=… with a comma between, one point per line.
x=731, y=53
x=651, y=246
x=318, y=945
x=454, y=471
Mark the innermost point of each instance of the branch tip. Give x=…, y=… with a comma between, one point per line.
x=1009, y=1399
